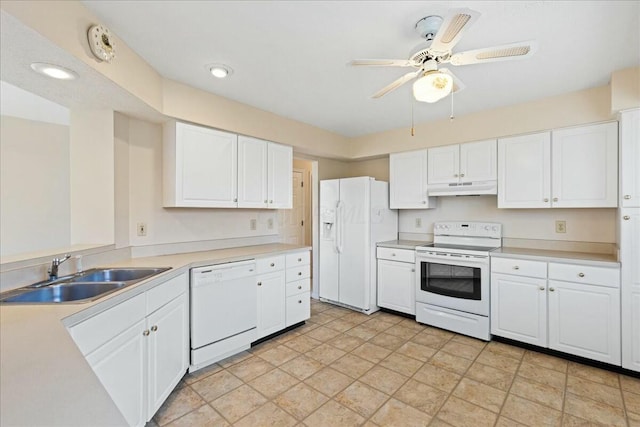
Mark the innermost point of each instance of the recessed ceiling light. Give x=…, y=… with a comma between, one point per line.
x=54, y=71
x=220, y=70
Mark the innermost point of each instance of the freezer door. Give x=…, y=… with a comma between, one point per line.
x=329, y=257
x=354, y=241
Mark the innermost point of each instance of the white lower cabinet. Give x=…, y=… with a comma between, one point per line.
x=397, y=279
x=629, y=229
x=271, y=300
x=571, y=308
x=139, y=348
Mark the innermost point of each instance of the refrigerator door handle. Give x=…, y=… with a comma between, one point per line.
x=339, y=226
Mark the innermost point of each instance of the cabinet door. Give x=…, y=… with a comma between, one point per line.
x=519, y=308
x=444, y=164
x=271, y=303
x=630, y=159
x=280, y=176
x=206, y=167
x=524, y=171
x=585, y=320
x=629, y=256
x=168, y=351
x=252, y=173
x=478, y=161
x=584, y=167
x=397, y=286
x=120, y=364
x=298, y=308
x=408, y=180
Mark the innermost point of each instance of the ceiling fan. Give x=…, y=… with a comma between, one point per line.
x=442, y=34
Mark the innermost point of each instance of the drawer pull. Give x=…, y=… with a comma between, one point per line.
x=580, y=274
x=546, y=200
x=542, y=288
x=299, y=259
x=154, y=328
x=299, y=286
x=393, y=254
x=299, y=273
x=424, y=202
x=552, y=289
x=555, y=199
x=272, y=264
x=413, y=270
x=299, y=301
x=627, y=197
x=145, y=333
x=626, y=217
x=515, y=267
x=259, y=283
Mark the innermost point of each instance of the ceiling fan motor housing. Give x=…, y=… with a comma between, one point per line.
x=428, y=26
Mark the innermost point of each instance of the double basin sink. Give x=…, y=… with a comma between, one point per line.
x=80, y=287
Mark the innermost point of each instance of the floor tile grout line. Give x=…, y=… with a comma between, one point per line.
x=508, y=391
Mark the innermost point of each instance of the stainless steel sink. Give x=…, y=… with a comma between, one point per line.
x=81, y=287
x=117, y=274
x=64, y=292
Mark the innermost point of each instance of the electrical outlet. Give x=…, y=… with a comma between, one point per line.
x=142, y=229
x=270, y=223
x=418, y=222
x=561, y=226
x=252, y=224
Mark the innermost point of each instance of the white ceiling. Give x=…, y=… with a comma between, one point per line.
x=290, y=57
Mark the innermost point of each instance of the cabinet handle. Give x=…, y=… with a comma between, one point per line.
x=424, y=202
x=515, y=267
x=270, y=201
x=555, y=199
x=551, y=289
x=580, y=274
x=413, y=270
x=235, y=200
x=546, y=200
x=626, y=217
x=455, y=175
x=393, y=254
x=272, y=264
x=299, y=301
x=627, y=196
x=265, y=200
x=299, y=259
x=461, y=175
x=542, y=288
x=299, y=287
x=299, y=273
x=259, y=283
x=154, y=328
x=146, y=332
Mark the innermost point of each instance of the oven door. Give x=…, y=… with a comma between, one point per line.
x=452, y=281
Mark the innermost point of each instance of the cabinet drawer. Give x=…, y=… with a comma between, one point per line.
x=603, y=276
x=519, y=267
x=400, y=255
x=298, y=258
x=165, y=292
x=298, y=273
x=298, y=308
x=102, y=327
x=268, y=264
x=298, y=287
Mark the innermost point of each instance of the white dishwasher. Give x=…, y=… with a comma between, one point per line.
x=223, y=311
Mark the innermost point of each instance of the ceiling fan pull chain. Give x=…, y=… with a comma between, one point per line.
x=412, y=129
x=452, y=116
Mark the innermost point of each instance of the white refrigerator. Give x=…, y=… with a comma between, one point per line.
x=354, y=216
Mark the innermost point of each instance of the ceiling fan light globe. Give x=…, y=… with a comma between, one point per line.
x=432, y=87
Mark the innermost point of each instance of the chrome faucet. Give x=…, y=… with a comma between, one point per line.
x=55, y=263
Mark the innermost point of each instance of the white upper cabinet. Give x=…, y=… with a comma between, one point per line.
x=279, y=176
x=524, y=171
x=469, y=162
x=199, y=167
x=567, y=168
x=584, y=169
x=630, y=159
x=264, y=174
x=408, y=181
x=252, y=173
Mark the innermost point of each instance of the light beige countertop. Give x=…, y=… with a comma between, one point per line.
x=402, y=244
x=45, y=380
x=605, y=260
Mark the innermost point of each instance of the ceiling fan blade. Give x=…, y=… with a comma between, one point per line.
x=381, y=62
x=458, y=85
x=396, y=84
x=452, y=29
x=505, y=52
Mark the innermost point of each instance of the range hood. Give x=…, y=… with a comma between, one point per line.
x=472, y=188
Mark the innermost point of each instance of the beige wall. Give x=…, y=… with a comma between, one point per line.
x=625, y=89
x=92, y=176
x=587, y=106
x=34, y=186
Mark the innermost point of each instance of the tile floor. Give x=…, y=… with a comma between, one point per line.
x=344, y=368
